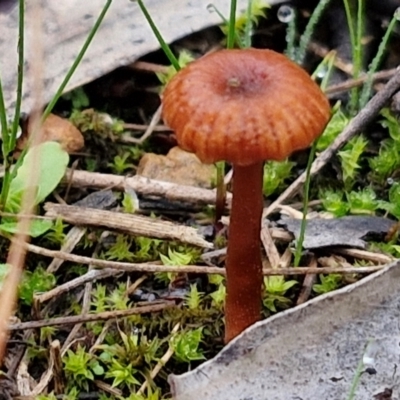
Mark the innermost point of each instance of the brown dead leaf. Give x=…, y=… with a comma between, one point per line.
x=178, y=166
x=59, y=130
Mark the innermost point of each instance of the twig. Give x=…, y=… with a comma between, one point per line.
x=143, y=127
x=286, y=258
x=366, y=255
x=339, y=63
x=150, y=67
x=71, y=240
x=90, y=276
x=351, y=83
x=269, y=246
x=150, y=129
x=145, y=187
x=308, y=283
x=137, y=225
x=364, y=117
x=83, y=318
x=195, y=269
x=163, y=360
x=58, y=372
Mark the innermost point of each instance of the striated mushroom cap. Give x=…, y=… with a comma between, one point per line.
x=244, y=106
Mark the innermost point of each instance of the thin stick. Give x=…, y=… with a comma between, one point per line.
x=194, y=269
x=83, y=318
x=150, y=67
x=90, y=276
x=16, y=254
x=351, y=83
x=308, y=283
x=269, y=246
x=363, y=118
x=150, y=129
x=163, y=360
x=144, y=186
x=137, y=225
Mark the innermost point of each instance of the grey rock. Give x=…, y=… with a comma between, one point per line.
x=123, y=37
x=312, y=351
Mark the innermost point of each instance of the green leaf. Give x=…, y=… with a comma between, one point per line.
x=37, y=227
x=50, y=162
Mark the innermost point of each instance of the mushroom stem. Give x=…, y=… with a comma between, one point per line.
x=243, y=264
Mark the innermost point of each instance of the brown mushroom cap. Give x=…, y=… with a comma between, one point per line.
x=244, y=106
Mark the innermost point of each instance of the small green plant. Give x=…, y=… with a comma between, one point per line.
x=184, y=58
x=218, y=296
x=393, y=205
x=118, y=298
x=99, y=298
x=194, y=298
x=56, y=233
x=123, y=374
x=129, y=357
x=120, y=163
x=386, y=248
x=341, y=203
x=335, y=126
x=35, y=282
x=387, y=162
x=186, y=345
x=150, y=396
x=81, y=367
x=147, y=248
x=121, y=249
x=328, y=283
x=333, y=202
x=275, y=290
x=183, y=255
x=362, y=202
x=350, y=157
x=130, y=202
x=275, y=175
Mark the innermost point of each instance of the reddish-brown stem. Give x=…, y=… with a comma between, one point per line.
x=243, y=264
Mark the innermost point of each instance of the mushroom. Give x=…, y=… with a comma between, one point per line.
x=244, y=107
